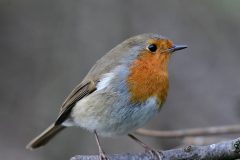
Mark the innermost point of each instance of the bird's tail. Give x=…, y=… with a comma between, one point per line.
x=45, y=136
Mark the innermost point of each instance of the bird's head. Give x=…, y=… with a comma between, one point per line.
x=149, y=70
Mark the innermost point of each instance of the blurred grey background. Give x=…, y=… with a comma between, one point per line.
x=46, y=48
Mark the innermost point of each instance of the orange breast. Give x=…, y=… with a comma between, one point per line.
x=149, y=77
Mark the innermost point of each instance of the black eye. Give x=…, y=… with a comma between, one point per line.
x=152, y=47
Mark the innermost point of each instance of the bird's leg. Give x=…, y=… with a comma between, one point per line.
x=102, y=155
x=152, y=151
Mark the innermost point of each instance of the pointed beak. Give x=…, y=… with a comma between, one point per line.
x=178, y=47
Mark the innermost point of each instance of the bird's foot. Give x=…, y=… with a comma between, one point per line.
x=154, y=153
x=102, y=156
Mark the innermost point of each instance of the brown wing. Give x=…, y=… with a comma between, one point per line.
x=78, y=93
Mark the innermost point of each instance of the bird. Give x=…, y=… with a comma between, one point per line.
x=123, y=91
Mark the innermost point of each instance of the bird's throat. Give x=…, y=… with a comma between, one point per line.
x=149, y=77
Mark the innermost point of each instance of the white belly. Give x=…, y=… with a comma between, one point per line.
x=109, y=116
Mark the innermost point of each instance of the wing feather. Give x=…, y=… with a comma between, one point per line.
x=78, y=93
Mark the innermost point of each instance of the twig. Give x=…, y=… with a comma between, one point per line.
x=228, y=150
x=209, y=131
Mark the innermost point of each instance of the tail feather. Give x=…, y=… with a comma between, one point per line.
x=45, y=136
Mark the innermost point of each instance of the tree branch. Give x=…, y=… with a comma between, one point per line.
x=209, y=131
x=228, y=150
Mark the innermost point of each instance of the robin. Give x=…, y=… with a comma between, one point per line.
x=122, y=91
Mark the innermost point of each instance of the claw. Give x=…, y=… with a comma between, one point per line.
x=102, y=156
x=154, y=153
